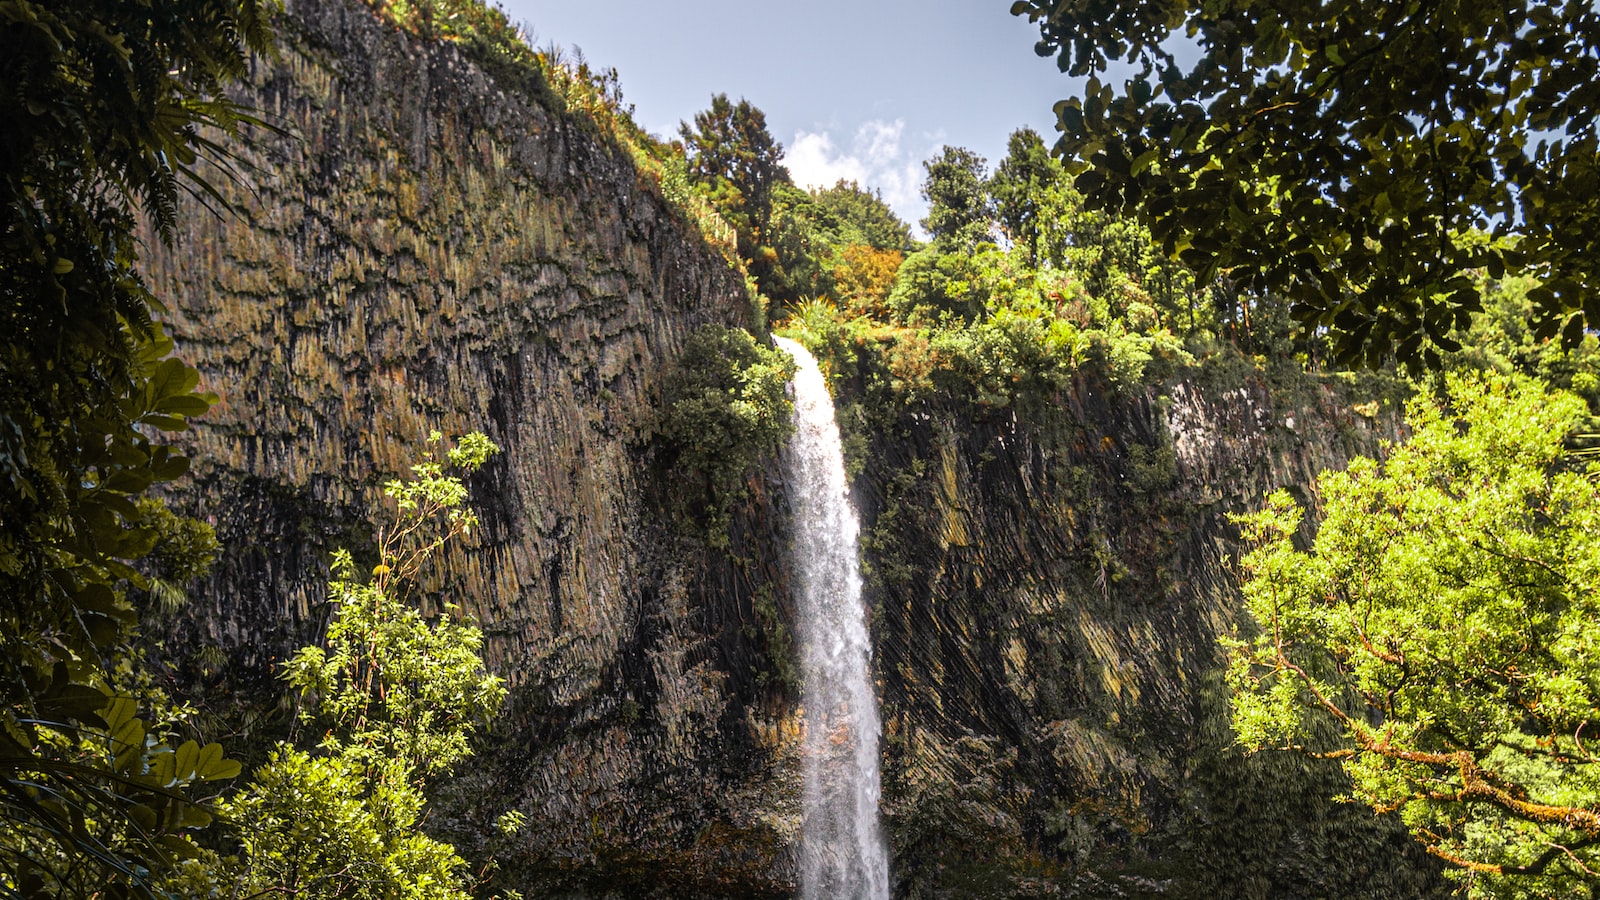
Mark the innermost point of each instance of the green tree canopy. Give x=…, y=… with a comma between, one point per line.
x=1443, y=620
x=1026, y=189
x=103, y=108
x=958, y=205
x=1344, y=152
x=730, y=146
x=852, y=214
x=832, y=242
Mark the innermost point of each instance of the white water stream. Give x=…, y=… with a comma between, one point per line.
x=843, y=855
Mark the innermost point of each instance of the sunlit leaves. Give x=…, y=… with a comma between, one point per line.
x=1443, y=618
x=397, y=697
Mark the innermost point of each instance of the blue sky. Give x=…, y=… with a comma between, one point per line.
x=862, y=89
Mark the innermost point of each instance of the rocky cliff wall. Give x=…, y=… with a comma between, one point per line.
x=419, y=248
x=423, y=248
x=1050, y=583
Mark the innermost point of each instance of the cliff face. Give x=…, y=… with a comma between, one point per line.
x=423, y=249
x=1051, y=583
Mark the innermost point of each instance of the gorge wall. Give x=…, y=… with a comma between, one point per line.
x=1050, y=584
x=421, y=247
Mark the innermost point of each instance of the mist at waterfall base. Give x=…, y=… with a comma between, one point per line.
x=843, y=853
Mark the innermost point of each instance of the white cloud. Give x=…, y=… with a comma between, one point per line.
x=814, y=161
x=876, y=159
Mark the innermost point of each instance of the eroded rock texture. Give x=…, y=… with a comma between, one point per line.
x=420, y=249
x=423, y=249
x=1051, y=582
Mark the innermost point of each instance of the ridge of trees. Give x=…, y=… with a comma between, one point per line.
x=795, y=243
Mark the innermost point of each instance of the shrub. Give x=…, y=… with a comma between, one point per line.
x=725, y=409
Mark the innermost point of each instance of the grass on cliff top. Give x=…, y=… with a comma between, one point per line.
x=568, y=85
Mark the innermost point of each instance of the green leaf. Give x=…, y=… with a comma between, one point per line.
x=73, y=702
x=163, y=769
x=127, y=747
x=118, y=712
x=212, y=765
x=185, y=759
x=183, y=405
x=164, y=422
x=166, y=466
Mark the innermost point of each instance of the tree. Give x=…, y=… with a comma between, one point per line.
x=730, y=147
x=812, y=234
x=1442, y=623
x=1112, y=257
x=854, y=215
x=938, y=282
x=798, y=247
x=734, y=159
x=104, y=109
x=958, y=206
x=398, y=698
x=863, y=276
x=1022, y=189
x=1116, y=263
x=1501, y=338
x=1345, y=153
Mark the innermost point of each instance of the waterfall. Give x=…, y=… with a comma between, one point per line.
x=843, y=854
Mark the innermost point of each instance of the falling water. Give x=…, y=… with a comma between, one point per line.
x=842, y=850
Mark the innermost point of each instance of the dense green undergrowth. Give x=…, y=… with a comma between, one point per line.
x=725, y=412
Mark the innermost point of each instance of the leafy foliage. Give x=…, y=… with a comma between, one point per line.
x=400, y=696
x=104, y=110
x=958, y=205
x=850, y=215
x=1343, y=153
x=995, y=324
x=789, y=240
x=1443, y=620
x=109, y=806
x=1501, y=338
x=725, y=409
x=864, y=276
x=1027, y=188
x=840, y=242
x=731, y=151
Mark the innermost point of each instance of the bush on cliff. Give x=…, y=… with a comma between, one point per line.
x=725, y=409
